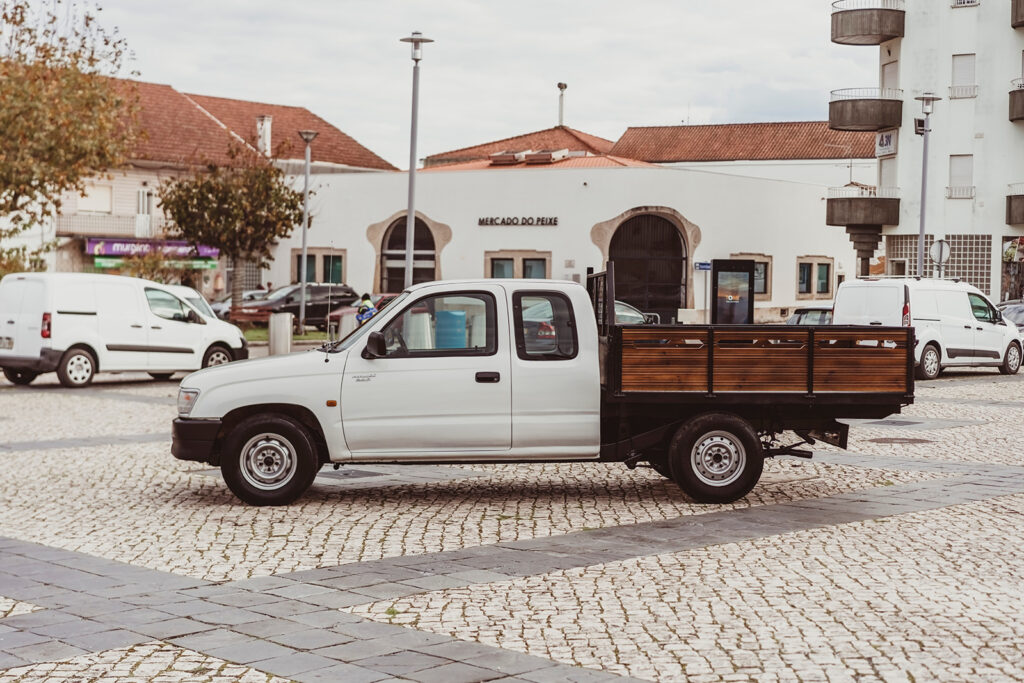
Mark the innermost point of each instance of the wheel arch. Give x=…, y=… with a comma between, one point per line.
x=299, y=413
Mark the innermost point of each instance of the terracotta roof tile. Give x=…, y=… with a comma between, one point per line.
x=559, y=137
x=743, y=141
x=331, y=145
x=590, y=161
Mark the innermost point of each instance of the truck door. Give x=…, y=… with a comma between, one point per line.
x=444, y=385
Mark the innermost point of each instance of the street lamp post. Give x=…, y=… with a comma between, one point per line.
x=417, y=41
x=927, y=100
x=308, y=136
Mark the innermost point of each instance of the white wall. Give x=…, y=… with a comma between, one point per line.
x=734, y=214
x=828, y=172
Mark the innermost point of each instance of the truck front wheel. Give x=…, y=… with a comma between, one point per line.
x=269, y=460
x=716, y=458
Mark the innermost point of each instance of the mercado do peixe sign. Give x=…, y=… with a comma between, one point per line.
x=517, y=220
x=116, y=247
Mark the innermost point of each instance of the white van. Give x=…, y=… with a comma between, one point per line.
x=955, y=325
x=78, y=324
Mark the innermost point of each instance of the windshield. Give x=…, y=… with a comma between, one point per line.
x=355, y=335
x=200, y=304
x=1014, y=313
x=281, y=292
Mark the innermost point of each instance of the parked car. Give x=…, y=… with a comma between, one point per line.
x=955, y=324
x=222, y=307
x=1013, y=310
x=379, y=302
x=320, y=299
x=540, y=332
x=817, y=314
x=78, y=324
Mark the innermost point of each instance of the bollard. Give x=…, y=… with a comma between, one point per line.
x=280, y=333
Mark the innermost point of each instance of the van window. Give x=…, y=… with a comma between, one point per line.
x=166, y=305
x=981, y=310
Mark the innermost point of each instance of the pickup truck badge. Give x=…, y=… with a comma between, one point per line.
x=363, y=378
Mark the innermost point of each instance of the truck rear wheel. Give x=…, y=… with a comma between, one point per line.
x=269, y=460
x=716, y=458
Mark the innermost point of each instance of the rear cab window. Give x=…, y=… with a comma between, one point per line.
x=545, y=326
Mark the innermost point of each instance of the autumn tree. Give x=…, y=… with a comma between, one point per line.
x=64, y=119
x=154, y=265
x=242, y=208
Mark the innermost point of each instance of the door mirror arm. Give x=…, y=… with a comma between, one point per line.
x=375, y=346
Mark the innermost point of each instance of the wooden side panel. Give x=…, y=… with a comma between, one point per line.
x=860, y=361
x=664, y=359
x=761, y=360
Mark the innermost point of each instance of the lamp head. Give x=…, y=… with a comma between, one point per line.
x=308, y=135
x=417, y=41
x=928, y=100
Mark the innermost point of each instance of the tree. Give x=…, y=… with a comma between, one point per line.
x=154, y=265
x=63, y=117
x=242, y=208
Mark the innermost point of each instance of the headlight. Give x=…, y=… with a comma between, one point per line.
x=186, y=399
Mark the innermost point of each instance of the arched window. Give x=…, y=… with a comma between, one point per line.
x=393, y=256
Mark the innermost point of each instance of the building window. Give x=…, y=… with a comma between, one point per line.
x=961, y=176
x=520, y=263
x=814, y=277
x=97, y=199
x=323, y=264
x=762, y=274
x=964, y=81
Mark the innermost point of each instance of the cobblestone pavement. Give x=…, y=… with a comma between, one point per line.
x=899, y=560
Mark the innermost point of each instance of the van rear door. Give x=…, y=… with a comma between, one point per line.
x=869, y=303
x=21, y=317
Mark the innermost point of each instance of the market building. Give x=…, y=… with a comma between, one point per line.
x=525, y=211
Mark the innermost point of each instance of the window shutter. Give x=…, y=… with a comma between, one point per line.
x=961, y=170
x=963, y=70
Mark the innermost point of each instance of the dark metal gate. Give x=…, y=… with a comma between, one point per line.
x=393, y=256
x=650, y=265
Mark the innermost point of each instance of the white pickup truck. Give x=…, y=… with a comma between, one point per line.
x=499, y=371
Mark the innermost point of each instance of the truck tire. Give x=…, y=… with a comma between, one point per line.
x=77, y=368
x=1011, y=361
x=931, y=363
x=269, y=460
x=716, y=458
x=20, y=377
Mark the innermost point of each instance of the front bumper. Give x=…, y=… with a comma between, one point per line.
x=242, y=352
x=195, y=440
x=46, y=361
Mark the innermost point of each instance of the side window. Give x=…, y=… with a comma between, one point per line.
x=980, y=308
x=461, y=324
x=544, y=325
x=166, y=305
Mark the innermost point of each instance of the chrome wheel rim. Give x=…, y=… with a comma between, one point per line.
x=1013, y=358
x=931, y=362
x=217, y=357
x=718, y=458
x=268, y=461
x=79, y=368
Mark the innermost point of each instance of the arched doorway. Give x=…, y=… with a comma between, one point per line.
x=650, y=265
x=393, y=256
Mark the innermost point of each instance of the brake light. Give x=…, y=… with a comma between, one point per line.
x=545, y=331
x=44, y=330
x=906, y=314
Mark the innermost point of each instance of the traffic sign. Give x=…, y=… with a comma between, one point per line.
x=939, y=251
x=702, y=265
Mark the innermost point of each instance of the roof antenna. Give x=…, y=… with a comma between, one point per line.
x=561, y=103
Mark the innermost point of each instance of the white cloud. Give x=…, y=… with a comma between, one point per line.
x=493, y=70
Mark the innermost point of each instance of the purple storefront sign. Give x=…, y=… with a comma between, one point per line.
x=115, y=247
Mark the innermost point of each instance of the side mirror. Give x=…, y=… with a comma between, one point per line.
x=288, y=299
x=195, y=318
x=375, y=346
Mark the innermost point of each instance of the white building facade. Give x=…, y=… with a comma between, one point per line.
x=970, y=53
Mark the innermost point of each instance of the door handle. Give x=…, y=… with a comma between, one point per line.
x=967, y=327
x=155, y=327
x=10, y=322
x=137, y=326
x=979, y=328
x=488, y=377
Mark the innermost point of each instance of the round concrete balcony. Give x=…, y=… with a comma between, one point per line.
x=1017, y=14
x=855, y=205
x=867, y=22
x=865, y=109
x=1017, y=100
x=1015, y=204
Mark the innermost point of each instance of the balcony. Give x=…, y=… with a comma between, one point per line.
x=867, y=22
x=1015, y=205
x=140, y=226
x=960, y=192
x=1017, y=100
x=865, y=109
x=962, y=92
x=1017, y=14
x=857, y=205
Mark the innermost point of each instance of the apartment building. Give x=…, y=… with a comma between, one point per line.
x=970, y=54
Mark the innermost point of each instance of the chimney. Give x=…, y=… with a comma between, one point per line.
x=561, y=102
x=263, y=134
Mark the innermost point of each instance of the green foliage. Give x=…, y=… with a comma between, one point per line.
x=20, y=260
x=154, y=265
x=63, y=118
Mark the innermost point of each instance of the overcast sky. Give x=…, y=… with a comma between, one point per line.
x=493, y=71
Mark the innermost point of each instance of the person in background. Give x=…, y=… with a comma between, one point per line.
x=365, y=309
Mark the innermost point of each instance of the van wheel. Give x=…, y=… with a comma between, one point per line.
x=20, y=377
x=1011, y=362
x=76, y=368
x=269, y=460
x=716, y=458
x=216, y=355
x=931, y=363
x=161, y=376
